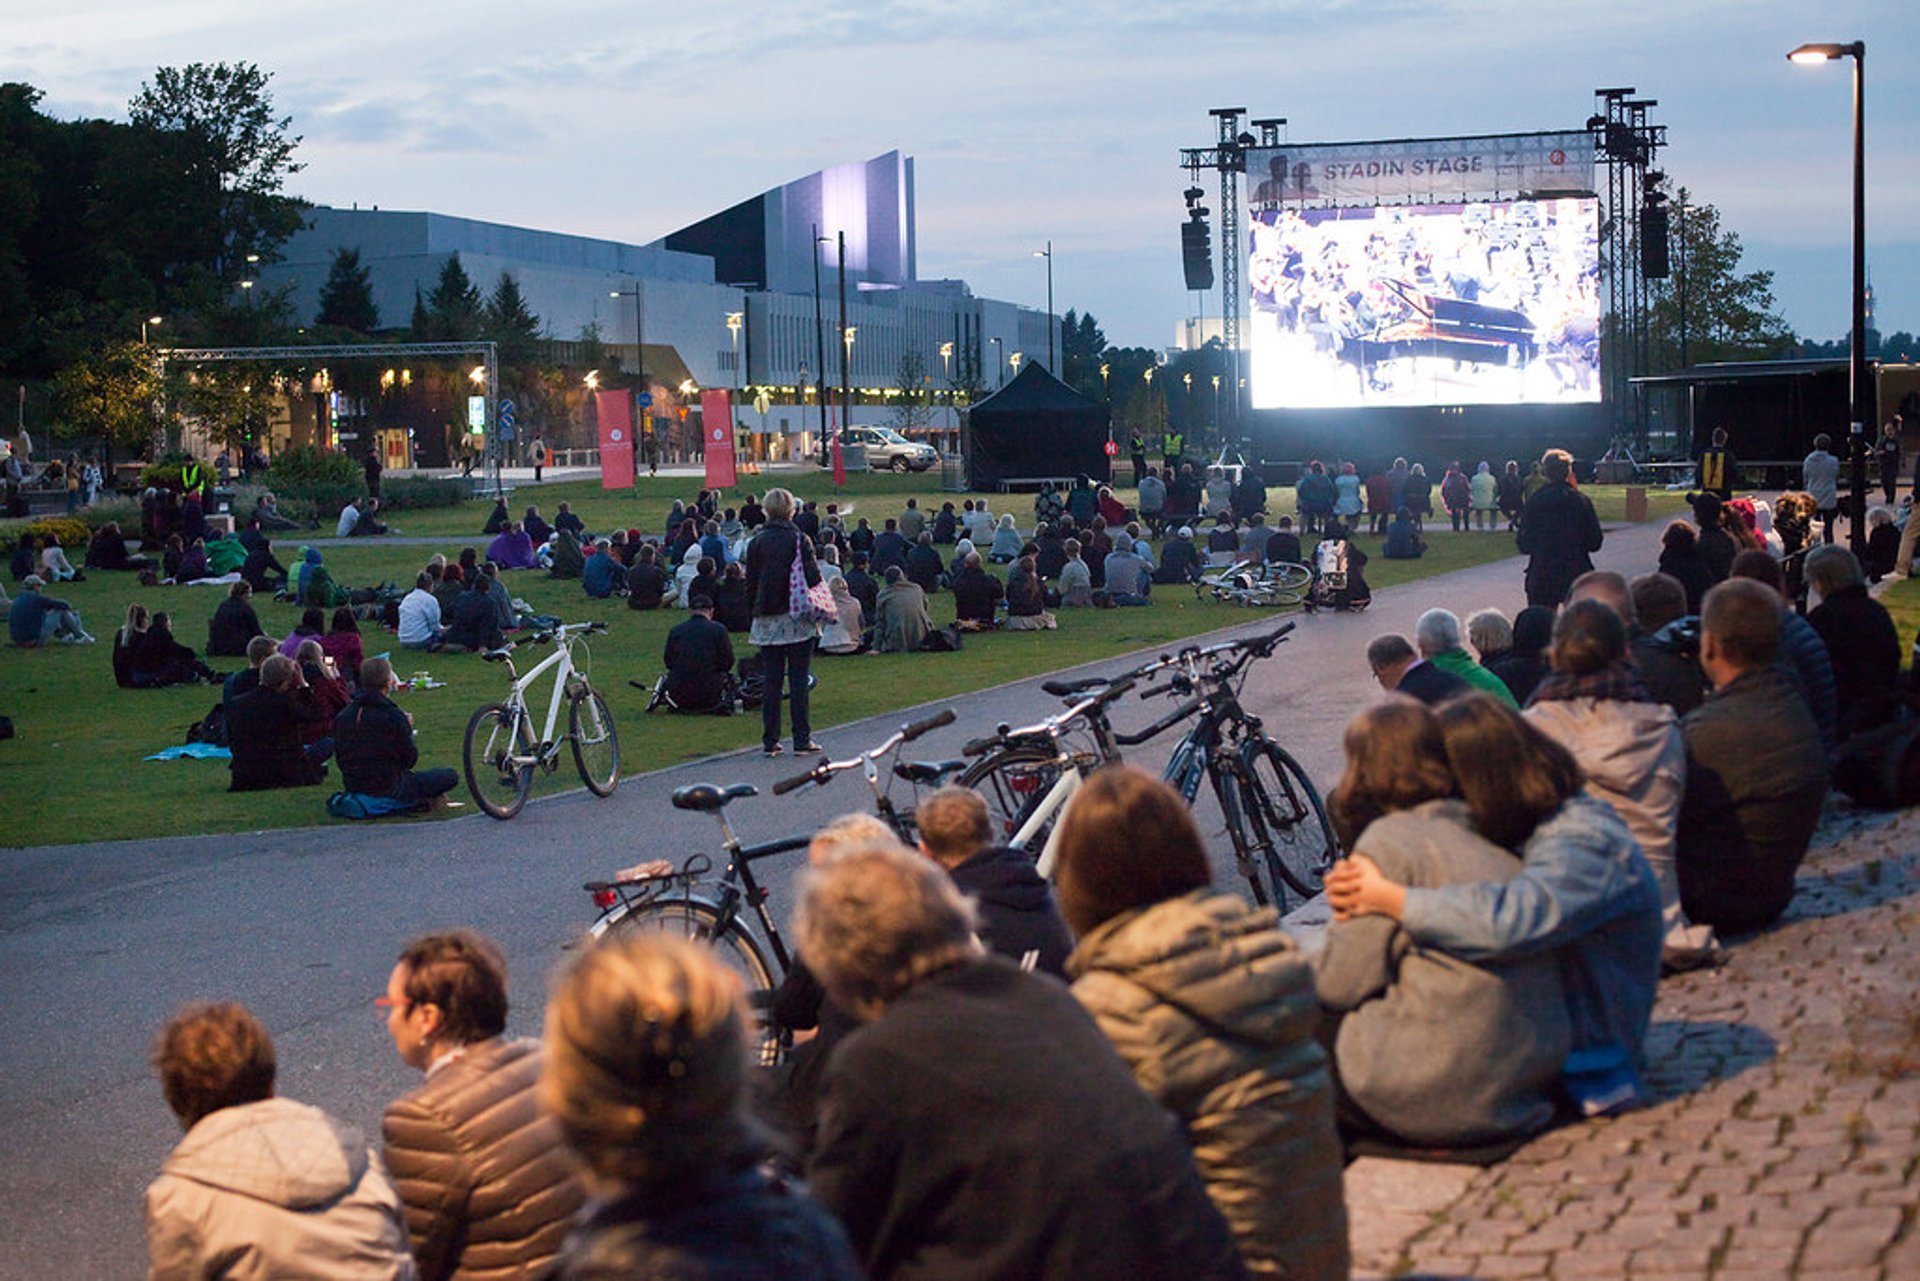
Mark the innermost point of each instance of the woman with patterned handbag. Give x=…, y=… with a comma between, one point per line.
x=781, y=575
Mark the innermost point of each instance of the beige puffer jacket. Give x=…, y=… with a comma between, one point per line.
x=489, y=1191
x=1213, y=1008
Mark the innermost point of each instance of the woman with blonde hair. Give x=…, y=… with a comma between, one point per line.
x=785, y=638
x=646, y=1072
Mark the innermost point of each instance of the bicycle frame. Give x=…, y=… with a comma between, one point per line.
x=517, y=692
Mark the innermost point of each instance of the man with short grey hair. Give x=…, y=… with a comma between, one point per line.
x=1437, y=633
x=904, y=1160
x=34, y=619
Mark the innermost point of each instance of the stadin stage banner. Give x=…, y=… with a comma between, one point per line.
x=716, y=421
x=615, y=412
x=1420, y=170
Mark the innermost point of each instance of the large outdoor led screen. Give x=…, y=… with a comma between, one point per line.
x=1477, y=304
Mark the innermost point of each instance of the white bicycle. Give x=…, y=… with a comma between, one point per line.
x=502, y=749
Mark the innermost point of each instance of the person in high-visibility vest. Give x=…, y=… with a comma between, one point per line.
x=1717, y=466
x=1137, y=446
x=192, y=477
x=1172, y=444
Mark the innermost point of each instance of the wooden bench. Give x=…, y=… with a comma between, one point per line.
x=1010, y=483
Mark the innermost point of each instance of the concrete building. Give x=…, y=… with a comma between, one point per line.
x=729, y=301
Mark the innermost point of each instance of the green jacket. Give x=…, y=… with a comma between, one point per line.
x=1461, y=664
x=1212, y=1005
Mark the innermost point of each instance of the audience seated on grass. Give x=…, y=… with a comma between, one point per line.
x=976, y=596
x=373, y=742
x=1076, y=580
x=233, y=624
x=901, y=622
x=263, y=731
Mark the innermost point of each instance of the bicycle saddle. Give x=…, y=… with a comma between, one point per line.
x=918, y=772
x=498, y=655
x=1065, y=689
x=708, y=797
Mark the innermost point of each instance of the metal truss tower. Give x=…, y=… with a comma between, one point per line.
x=1228, y=158
x=1626, y=144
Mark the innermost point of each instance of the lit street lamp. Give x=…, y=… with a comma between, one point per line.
x=999, y=359
x=733, y=331
x=1015, y=360
x=1047, y=253
x=150, y=320
x=1810, y=54
x=1105, y=369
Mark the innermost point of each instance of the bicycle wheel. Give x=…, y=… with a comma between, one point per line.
x=1285, y=821
x=1288, y=582
x=1014, y=782
x=734, y=946
x=499, y=757
x=596, y=743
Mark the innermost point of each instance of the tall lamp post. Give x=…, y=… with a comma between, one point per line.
x=1808, y=54
x=999, y=360
x=642, y=397
x=846, y=345
x=1047, y=253
x=733, y=331
x=819, y=345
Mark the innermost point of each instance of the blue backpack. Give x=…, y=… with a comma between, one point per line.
x=360, y=805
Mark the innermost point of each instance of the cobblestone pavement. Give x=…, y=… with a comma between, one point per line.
x=1786, y=1138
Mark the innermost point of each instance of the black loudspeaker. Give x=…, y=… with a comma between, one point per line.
x=1196, y=254
x=1653, y=243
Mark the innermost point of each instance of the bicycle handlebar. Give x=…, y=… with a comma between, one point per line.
x=826, y=769
x=944, y=716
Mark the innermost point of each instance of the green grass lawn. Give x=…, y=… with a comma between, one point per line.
x=75, y=772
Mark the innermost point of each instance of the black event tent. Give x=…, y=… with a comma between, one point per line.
x=1036, y=426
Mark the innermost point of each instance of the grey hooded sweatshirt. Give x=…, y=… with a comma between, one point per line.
x=274, y=1189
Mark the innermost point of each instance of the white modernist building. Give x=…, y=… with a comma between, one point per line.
x=729, y=301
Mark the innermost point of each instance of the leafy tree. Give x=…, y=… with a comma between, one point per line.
x=346, y=300
x=509, y=323
x=1709, y=306
x=112, y=393
x=421, y=324
x=454, y=309
x=913, y=408
x=591, y=351
x=1082, y=348
x=234, y=403
x=238, y=152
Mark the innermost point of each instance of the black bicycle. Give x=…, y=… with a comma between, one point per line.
x=917, y=773
x=1283, y=842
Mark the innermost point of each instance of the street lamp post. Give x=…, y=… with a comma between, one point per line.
x=846, y=333
x=1105, y=394
x=999, y=360
x=639, y=355
x=1047, y=253
x=733, y=331
x=819, y=345
x=1808, y=54
x=150, y=320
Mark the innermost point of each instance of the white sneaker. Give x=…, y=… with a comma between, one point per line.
x=84, y=639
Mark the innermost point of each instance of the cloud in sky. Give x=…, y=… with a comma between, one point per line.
x=1029, y=121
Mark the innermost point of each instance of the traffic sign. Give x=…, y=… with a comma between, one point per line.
x=646, y=399
x=1112, y=449
x=506, y=415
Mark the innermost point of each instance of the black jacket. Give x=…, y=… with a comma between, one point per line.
x=1017, y=913
x=976, y=593
x=1051, y=556
x=732, y=607
x=647, y=584
x=374, y=744
x=1086, y=1178
x=1559, y=532
x=1430, y=684
x=1756, y=776
x=1026, y=598
x=770, y=566
x=262, y=571
x=866, y=589
x=1179, y=562
x=924, y=568
x=1690, y=569
x=729, y=1225
x=699, y=656
x=1865, y=648
x=233, y=624
x=471, y=623
x=263, y=730
x=889, y=548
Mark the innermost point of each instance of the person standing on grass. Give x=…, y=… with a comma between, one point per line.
x=1559, y=531
x=538, y=453
x=785, y=639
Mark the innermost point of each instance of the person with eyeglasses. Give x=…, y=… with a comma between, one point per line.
x=487, y=1188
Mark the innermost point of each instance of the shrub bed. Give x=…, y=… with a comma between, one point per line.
x=414, y=493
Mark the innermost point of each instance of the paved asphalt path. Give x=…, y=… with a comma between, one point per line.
x=99, y=943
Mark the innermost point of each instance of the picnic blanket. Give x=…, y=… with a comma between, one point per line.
x=192, y=752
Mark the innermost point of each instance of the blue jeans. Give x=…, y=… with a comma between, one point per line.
x=786, y=663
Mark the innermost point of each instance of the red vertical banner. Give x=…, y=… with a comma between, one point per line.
x=615, y=411
x=716, y=423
